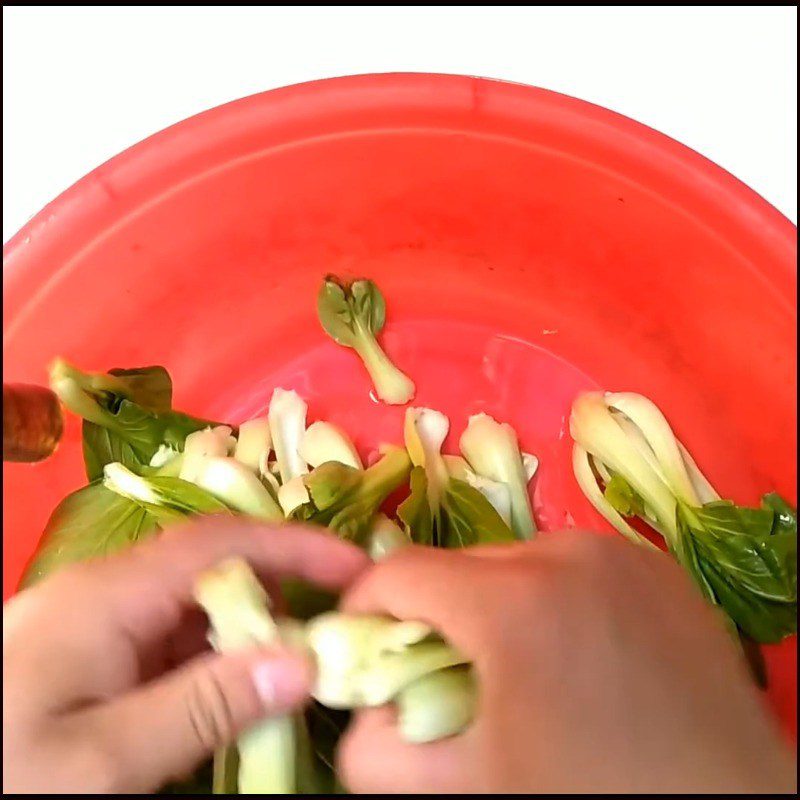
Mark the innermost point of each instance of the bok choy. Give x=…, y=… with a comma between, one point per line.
x=629, y=464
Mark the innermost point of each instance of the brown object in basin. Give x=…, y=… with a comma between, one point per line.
x=32, y=422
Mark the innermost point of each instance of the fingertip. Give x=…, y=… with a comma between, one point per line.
x=402, y=582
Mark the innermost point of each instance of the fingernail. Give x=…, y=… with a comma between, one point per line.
x=282, y=681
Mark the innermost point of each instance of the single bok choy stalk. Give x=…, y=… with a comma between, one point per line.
x=347, y=499
x=254, y=443
x=238, y=611
x=238, y=487
x=353, y=316
x=324, y=441
x=442, y=508
x=287, y=423
x=492, y=450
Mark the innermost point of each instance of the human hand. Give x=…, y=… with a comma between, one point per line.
x=600, y=669
x=105, y=687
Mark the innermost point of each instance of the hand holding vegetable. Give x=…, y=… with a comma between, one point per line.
x=107, y=683
x=599, y=669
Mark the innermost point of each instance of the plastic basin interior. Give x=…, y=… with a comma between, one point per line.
x=529, y=246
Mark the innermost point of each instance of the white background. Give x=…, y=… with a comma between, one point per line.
x=81, y=84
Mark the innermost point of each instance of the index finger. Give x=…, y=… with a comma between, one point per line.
x=123, y=604
x=146, y=589
x=448, y=589
x=173, y=561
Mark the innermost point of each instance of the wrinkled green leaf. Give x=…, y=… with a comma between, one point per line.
x=740, y=543
x=751, y=572
x=173, y=499
x=761, y=620
x=138, y=420
x=465, y=517
x=352, y=316
x=148, y=387
x=90, y=522
x=135, y=435
x=722, y=517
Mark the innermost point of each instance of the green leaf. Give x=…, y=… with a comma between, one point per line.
x=785, y=514
x=761, y=620
x=149, y=387
x=133, y=435
x=622, y=497
x=751, y=571
x=353, y=316
x=465, y=517
x=352, y=520
x=332, y=483
x=343, y=309
x=102, y=446
x=740, y=543
x=168, y=498
x=185, y=497
x=723, y=517
x=335, y=313
x=127, y=414
x=369, y=307
x=415, y=511
x=468, y=518
x=90, y=522
x=346, y=499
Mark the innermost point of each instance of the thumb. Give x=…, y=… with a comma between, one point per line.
x=163, y=730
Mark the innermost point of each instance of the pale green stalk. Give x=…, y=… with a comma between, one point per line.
x=237, y=607
x=437, y=705
x=391, y=385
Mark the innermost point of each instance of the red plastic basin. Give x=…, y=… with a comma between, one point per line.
x=529, y=245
